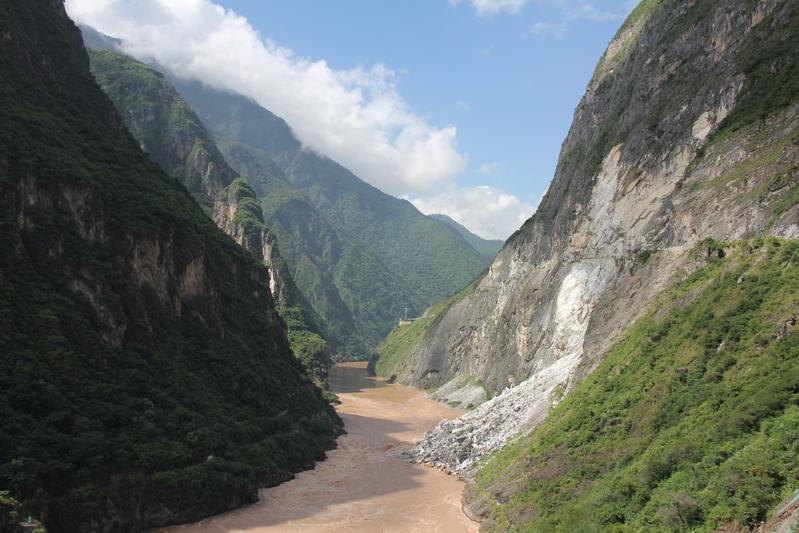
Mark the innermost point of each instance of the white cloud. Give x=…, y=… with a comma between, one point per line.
x=355, y=116
x=588, y=11
x=556, y=30
x=575, y=11
x=489, y=168
x=463, y=105
x=486, y=211
x=571, y=9
x=487, y=8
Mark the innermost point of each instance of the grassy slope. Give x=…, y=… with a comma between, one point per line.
x=165, y=125
x=400, y=344
x=690, y=423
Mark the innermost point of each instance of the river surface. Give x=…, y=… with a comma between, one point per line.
x=365, y=485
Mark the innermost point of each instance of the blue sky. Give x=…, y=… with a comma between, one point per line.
x=460, y=106
x=510, y=92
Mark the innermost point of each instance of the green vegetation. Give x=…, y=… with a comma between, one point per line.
x=692, y=422
x=791, y=197
x=164, y=124
x=770, y=61
x=404, y=340
x=358, y=255
x=347, y=287
x=248, y=218
x=146, y=377
x=765, y=156
x=488, y=248
x=9, y=513
x=308, y=346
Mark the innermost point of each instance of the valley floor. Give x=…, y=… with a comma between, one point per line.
x=365, y=485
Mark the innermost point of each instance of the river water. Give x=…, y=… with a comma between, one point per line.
x=364, y=485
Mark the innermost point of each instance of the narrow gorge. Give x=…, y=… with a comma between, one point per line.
x=208, y=324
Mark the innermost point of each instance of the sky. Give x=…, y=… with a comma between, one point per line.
x=459, y=106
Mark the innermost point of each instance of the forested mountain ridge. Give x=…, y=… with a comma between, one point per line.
x=488, y=248
x=170, y=132
x=345, y=284
x=349, y=288
x=687, y=136
x=147, y=377
x=163, y=123
x=415, y=259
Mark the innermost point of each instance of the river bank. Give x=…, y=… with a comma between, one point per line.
x=365, y=485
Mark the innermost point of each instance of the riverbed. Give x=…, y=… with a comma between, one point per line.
x=365, y=485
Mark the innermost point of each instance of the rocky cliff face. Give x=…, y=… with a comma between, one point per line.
x=687, y=131
x=237, y=213
x=147, y=378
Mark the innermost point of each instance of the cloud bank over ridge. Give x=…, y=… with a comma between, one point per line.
x=355, y=116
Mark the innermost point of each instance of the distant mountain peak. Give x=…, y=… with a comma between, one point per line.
x=98, y=40
x=488, y=248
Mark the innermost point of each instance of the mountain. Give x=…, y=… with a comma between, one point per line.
x=147, y=378
x=163, y=123
x=94, y=40
x=382, y=256
x=683, y=153
x=349, y=288
x=172, y=134
x=488, y=248
x=691, y=422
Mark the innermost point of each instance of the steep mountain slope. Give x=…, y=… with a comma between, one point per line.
x=347, y=286
x=426, y=258
x=679, y=137
x=163, y=123
x=174, y=137
x=146, y=376
x=488, y=248
x=690, y=424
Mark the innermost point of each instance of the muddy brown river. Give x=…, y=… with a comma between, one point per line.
x=365, y=485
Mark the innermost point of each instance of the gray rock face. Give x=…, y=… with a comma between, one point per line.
x=637, y=187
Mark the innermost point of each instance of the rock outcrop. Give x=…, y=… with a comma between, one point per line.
x=680, y=137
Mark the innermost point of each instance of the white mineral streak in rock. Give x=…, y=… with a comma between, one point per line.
x=457, y=445
x=788, y=226
x=529, y=321
x=707, y=121
x=702, y=126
